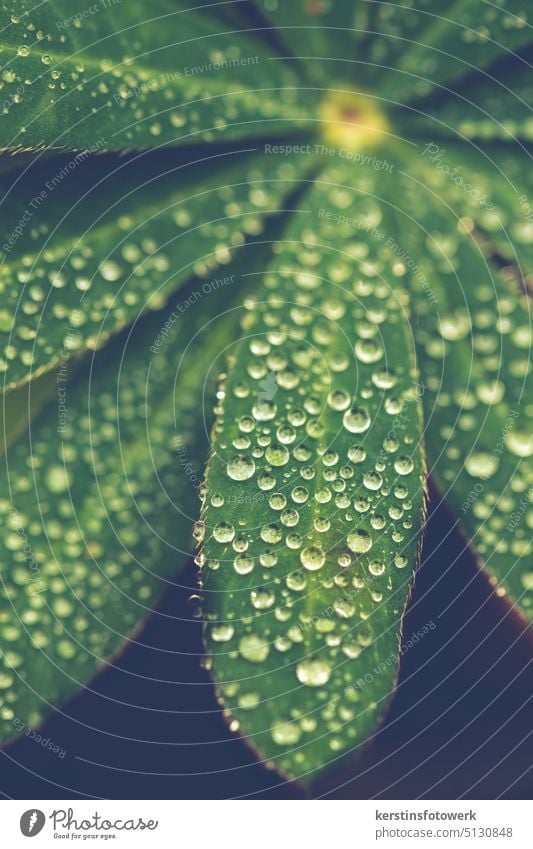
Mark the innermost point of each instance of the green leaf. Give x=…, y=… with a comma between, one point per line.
x=415, y=49
x=314, y=495
x=491, y=189
x=473, y=335
x=486, y=108
x=316, y=32
x=23, y=404
x=134, y=76
x=97, y=497
x=100, y=247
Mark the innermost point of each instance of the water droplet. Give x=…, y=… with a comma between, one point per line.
x=356, y=454
x=312, y=557
x=313, y=673
x=110, y=270
x=264, y=411
x=368, y=350
x=359, y=541
x=222, y=633
x=372, y=480
x=375, y=567
x=223, y=532
x=404, y=465
x=262, y=599
x=339, y=400
x=254, y=648
x=481, y=464
x=356, y=420
x=240, y=468
x=243, y=565
x=286, y=734
x=520, y=443
x=57, y=479
x=277, y=455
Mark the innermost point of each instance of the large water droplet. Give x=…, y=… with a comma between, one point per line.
x=313, y=673
x=359, y=541
x=254, y=648
x=356, y=420
x=312, y=557
x=240, y=468
x=481, y=464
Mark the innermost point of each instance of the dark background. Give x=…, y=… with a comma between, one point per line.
x=459, y=725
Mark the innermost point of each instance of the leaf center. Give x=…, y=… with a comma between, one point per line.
x=352, y=120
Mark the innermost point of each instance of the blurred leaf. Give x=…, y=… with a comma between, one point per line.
x=473, y=335
x=491, y=190
x=22, y=405
x=97, y=497
x=487, y=107
x=318, y=32
x=314, y=490
x=417, y=49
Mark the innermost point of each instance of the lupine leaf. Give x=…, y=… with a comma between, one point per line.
x=22, y=404
x=101, y=246
x=314, y=498
x=314, y=489
x=485, y=108
x=315, y=31
x=492, y=188
x=99, y=495
x=130, y=75
x=473, y=334
x=415, y=48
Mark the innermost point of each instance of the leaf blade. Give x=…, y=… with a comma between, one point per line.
x=96, y=500
x=419, y=49
x=473, y=341
x=295, y=553
x=322, y=37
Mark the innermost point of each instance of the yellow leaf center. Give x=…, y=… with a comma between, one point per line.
x=353, y=121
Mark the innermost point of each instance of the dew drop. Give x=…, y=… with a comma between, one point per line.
x=222, y=633
x=356, y=420
x=223, y=532
x=313, y=673
x=240, y=468
x=404, y=465
x=359, y=541
x=286, y=734
x=57, y=479
x=312, y=558
x=277, y=455
x=520, y=443
x=254, y=648
x=481, y=464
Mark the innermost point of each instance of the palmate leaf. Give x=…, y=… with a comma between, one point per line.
x=314, y=496
x=473, y=334
x=414, y=49
x=82, y=263
x=97, y=497
x=130, y=76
